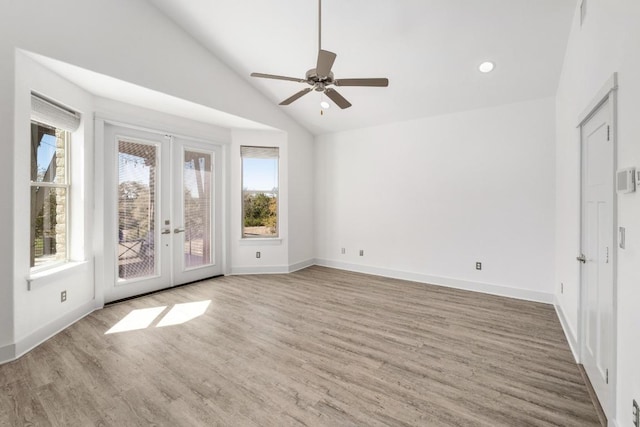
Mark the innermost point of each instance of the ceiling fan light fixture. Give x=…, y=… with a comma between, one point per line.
x=486, y=67
x=324, y=105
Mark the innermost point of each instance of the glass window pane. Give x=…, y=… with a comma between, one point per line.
x=260, y=174
x=48, y=225
x=260, y=194
x=197, y=173
x=136, y=209
x=48, y=154
x=260, y=214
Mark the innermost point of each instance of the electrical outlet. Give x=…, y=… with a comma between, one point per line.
x=257, y=254
x=636, y=414
x=478, y=266
x=361, y=252
x=343, y=251
x=63, y=296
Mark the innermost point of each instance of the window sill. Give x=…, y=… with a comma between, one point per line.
x=261, y=241
x=42, y=278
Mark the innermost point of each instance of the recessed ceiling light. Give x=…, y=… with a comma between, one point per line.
x=486, y=67
x=325, y=104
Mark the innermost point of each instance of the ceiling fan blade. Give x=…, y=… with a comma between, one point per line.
x=296, y=96
x=337, y=98
x=273, y=76
x=325, y=62
x=362, y=82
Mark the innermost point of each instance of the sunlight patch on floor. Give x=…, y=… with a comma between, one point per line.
x=143, y=318
x=182, y=313
x=136, y=319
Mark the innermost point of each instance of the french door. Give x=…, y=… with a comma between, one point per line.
x=166, y=211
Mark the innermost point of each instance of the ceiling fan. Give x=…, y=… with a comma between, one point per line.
x=321, y=78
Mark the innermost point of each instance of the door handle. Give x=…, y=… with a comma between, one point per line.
x=178, y=230
x=166, y=231
x=581, y=258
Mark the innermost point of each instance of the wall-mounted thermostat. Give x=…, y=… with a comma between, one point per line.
x=626, y=180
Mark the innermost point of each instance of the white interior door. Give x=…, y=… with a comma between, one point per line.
x=165, y=204
x=598, y=251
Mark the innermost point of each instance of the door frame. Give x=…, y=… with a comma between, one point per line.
x=163, y=125
x=608, y=92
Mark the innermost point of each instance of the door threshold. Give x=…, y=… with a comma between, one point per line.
x=594, y=398
x=161, y=290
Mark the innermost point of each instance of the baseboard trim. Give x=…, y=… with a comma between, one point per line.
x=568, y=331
x=270, y=269
x=41, y=335
x=7, y=353
x=301, y=265
x=486, y=288
x=593, y=396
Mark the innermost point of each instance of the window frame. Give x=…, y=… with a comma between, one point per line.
x=66, y=185
x=275, y=192
x=63, y=122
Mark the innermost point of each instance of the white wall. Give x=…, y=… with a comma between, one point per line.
x=6, y=192
x=428, y=198
x=608, y=42
x=301, y=204
x=134, y=42
x=38, y=307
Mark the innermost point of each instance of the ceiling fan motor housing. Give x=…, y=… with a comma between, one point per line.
x=313, y=77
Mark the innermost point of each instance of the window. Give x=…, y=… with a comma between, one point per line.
x=259, y=191
x=51, y=127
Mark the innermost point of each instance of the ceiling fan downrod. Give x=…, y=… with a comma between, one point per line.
x=319, y=25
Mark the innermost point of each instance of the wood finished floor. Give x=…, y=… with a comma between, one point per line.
x=319, y=347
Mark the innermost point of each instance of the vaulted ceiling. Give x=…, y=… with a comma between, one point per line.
x=429, y=49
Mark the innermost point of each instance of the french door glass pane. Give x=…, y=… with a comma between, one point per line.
x=197, y=175
x=137, y=173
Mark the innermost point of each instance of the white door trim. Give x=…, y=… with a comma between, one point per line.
x=610, y=86
x=608, y=92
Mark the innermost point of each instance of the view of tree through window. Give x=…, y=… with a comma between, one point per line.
x=259, y=191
